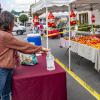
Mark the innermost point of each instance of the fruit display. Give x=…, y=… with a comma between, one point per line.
x=92, y=40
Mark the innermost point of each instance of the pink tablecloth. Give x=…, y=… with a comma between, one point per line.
x=36, y=83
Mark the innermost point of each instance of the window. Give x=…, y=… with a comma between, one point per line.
x=83, y=18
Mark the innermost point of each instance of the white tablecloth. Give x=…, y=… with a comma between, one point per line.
x=74, y=46
x=97, y=60
x=85, y=51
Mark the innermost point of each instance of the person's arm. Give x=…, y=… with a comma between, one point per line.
x=13, y=43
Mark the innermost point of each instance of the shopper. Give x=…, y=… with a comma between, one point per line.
x=41, y=29
x=9, y=46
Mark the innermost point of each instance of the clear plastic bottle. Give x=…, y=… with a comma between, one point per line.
x=50, y=61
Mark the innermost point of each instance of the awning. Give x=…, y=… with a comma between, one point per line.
x=80, y=5
x=53, y=5
x=58, y=14
x=61, y=5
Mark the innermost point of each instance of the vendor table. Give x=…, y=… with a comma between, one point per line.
x=84, y=50
x=36, y=83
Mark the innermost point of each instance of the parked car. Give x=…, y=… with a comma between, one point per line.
x=19, y=29
x=28, y=24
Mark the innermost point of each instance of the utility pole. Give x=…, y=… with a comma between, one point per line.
x=0, y=8
x=35, y=1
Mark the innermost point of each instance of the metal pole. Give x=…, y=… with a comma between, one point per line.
x=92, y=27
x=47, y=24
x=0, y=8
x=69, y=39
x=35, y=1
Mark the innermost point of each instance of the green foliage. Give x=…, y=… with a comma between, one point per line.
x=86, y=27
x=96, y=26
x=61, y=24
x=23, y=18
x=15, y=12
x=22, y=12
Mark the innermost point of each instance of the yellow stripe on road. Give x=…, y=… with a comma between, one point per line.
x=80, y=81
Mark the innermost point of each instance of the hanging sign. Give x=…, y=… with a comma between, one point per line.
x=93, y=18
x=72, y=18
x=36, y=20
x=51, y=20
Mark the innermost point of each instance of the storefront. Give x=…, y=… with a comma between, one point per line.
x=84, y=17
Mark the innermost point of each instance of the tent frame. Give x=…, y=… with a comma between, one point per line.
x=69, y=33
x=47, y=45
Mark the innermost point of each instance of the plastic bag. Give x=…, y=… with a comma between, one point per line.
x=28, y=59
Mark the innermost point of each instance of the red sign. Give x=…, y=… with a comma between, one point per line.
x=36, y=20
x=72, y=18
x=93, y=18
x=51, y=20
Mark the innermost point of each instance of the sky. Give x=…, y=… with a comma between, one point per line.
x=17, y=5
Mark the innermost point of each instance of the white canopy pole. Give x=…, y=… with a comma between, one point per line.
x=69, y=39
x=47, y=24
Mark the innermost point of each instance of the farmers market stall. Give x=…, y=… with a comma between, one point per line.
x=53, y=6
x=62, y=5
x=90, y=45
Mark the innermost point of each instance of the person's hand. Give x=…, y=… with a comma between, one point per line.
x=45, y=49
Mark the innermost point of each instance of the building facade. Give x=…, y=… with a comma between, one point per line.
x=84, y=17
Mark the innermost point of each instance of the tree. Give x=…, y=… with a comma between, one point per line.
x=23, y=18
x=22, y=11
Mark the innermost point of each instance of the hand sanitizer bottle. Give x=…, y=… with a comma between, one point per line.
x=50, y=61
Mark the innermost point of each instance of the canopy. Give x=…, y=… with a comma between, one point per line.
x=86, y=5
x=56, y=14
x=53, y=6
x=58, y=5
x=61, y=5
